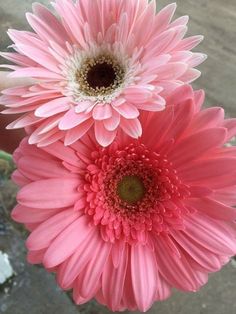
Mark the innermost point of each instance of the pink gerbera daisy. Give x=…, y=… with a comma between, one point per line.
x=97, y=67
x=126, y=223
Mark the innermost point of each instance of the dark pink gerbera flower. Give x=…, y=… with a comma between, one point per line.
x=126, y=223
x=97, y=67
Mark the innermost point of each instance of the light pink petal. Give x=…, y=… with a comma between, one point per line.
x=102, y=112
x=18, y=59
x=49, y=193
x=190, y=76
x=45, y=15
x=189, y=43
x=156, y=104
x=53, y=107
x=171, y=70
x=40, y=57
x=132, y=127
x=164, y=17
x=137, y=94
x=76, y=133
x=196, y=59
x=36, y=72
x=183, y=20
x=26, y=120
x=112, y=123
x=46, y=30
x=127, y=111
x=83, y=106
x=103, y=136
x=71, y=21
x=71, y=119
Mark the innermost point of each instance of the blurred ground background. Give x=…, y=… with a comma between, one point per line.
x=32, y=290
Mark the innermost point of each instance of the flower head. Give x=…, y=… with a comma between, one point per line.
x=126, y=223
x=98, y=67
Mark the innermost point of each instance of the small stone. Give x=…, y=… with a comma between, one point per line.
x=6, y=270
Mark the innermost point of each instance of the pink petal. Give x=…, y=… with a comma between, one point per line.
x=208, y=118
x=189, y=43
x=213, y=208
x=65, y=244
x=42, y=236
x=53, y=107
x=192, y=147
x=128, y=111
x=40, y=57
x=45, y=30
x=132, y=127
x=76, y=133
x=211, y=234
x=89, y=280
x=31, y=215
x=49, y=193
x=36, y=72
x=74, y=265
x=26, y=120
x=143, y=273
x=171, y=70
x=207, y=170
x=156, y=104
x=113, y=281
x=103, y=136
x=41, y=168
x=71, y=119
x=101, y=112
x=164, y=17
x=177, y=271
x=46, y=16
x=63, y=153
x=208, y=260
x=112, y=123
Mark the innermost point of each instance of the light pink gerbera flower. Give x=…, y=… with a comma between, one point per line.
x=98, y=66
x=125, y=224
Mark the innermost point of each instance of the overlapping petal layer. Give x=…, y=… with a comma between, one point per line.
x=125, y=224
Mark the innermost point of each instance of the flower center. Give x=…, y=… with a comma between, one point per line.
x=131, y=189
x=100, y=76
